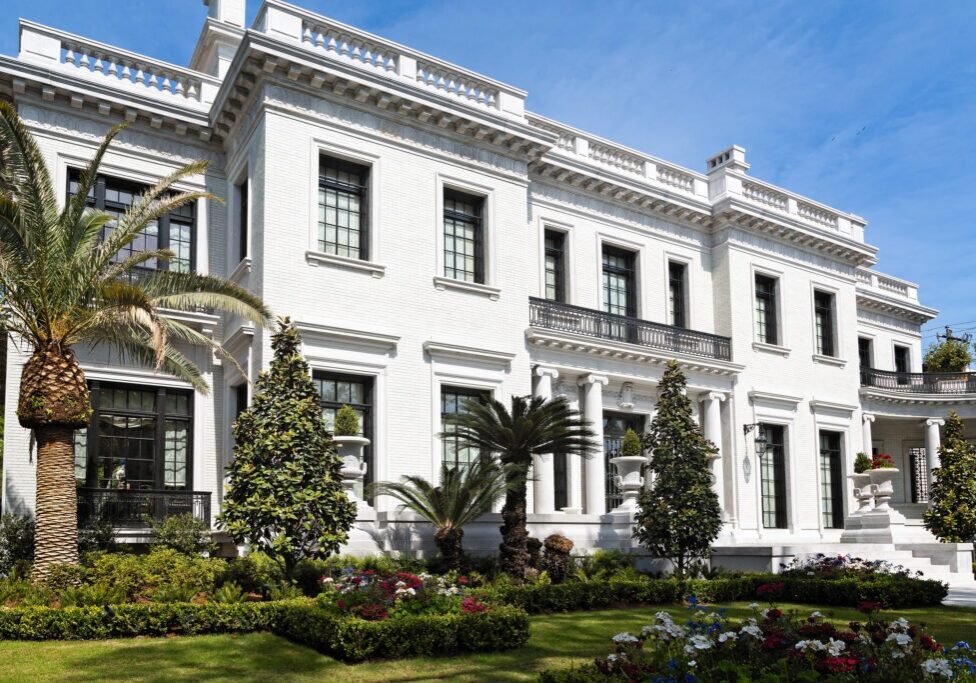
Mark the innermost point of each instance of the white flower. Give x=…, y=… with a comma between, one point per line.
x=752, y=630
x=901, y=639
x=816, y=615
x=897, y=654
x=664, y=617
x=691, y=664
x=625, y=638
x=754, y=606
x=728, y=635
x=900, y=624
x=938, y=667
x=835, y=647
x=700, y=642
x=612, y=658
x=765, y=613
x=810, y=646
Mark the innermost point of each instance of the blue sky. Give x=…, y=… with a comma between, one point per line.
x=869, y=106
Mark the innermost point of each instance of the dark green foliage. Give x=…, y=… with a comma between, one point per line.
x=346, y=422
x=631, y=444
x=183, y=533
x=16, y=542
x=951, y=355
x=535, y=426
x=679, y=515
x=952, y=513
x=351, y=639
x=285, y=496
x=163, y=574
x=556, y=559
x=97, y=534
x=862, y=463
x=254, y=573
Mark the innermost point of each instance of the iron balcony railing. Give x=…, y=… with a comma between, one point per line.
x=132, y=508
x=920, y=382
x=553, y=315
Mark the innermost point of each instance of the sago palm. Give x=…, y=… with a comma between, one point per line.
x=535, y=426
x=65, y=282
x=464, y=495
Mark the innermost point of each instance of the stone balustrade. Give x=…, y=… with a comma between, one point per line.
x=140, y=75
x=886, y=284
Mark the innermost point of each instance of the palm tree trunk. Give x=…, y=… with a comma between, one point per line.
x=56, y=538
x=514, y=556
x=449, y=542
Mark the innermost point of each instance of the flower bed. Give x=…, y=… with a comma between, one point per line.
x=772, y=646
x=837, y=566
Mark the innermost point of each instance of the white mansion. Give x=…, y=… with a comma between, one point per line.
x=433, y=239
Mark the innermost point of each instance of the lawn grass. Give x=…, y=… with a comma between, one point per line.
x=558, y=640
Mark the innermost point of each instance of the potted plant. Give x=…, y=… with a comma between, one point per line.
x=861, y=481
x=882, y=475
x=350, y=443
x=629, y=464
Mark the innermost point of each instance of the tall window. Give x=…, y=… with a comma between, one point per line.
x=463, y=236
x=823, y=310
x=902, y=359
x=772, y=469
x=615, y=425
x=240, y=399
x=138, y=439
x=355, y=391
x=174, y=231
x=676, y=294
x=560, y=466
x=767, y=328
x=453, y=400
x=555, y=266
x=831, y=481
x=865, y=353
x=242, y=219
x=342, y=208
x=619, y=295
x=918, y=462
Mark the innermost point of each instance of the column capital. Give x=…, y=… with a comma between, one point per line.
x=867, y=417
x=593, y=379
x=934, y=422
x=545, y=371
x=716, y=396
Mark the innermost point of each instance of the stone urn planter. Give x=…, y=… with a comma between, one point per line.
x=353, y=465
x=862, y=492
x=629, y=480
x=882, y=487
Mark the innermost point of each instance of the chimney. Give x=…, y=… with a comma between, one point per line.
x=222, y=33
x=227, y=11
x=733, y=158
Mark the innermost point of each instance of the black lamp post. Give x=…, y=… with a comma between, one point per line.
x=761, y=440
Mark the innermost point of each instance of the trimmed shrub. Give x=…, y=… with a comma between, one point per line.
x=352, y=639
x=16, y=542
x=556, y=560
x=254, y=573
x=157, y=575
x=183, y=533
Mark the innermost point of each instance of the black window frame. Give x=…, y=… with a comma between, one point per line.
x=475, y=219
x=831, y=479
x=361, y=190
x=240, y=399
x=612, y=442
x=865, y=352
x=678, y=294
x=767, y=320
x=627, y=269
x=365, y=409
x=554, y=242
x=825, y=340
x=92, y=437
x=902, y=356
x=97, y=199
x=461, y=394
x=773, y=488
x=243, y=207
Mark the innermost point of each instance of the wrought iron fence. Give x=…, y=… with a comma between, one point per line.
x=592, y=323
x=920, y=382
x=133, y=508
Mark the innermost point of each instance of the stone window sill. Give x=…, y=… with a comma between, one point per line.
x=443, y=283
x=829, y=360
x=317, y=258
x=241, y=270
x=771, y=348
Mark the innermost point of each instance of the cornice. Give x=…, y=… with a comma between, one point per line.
x=446, y=351
x=907, y=399
x=777, y=400
x=583, y=345
x=899, y=308
x=818, y=406
x=329, y=333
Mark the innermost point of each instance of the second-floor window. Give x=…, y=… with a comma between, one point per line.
x=342, y=208
x=174, y=231
x=767, y=328
x=619, y=282
x=677, y=306
x=463, y=236
x=242, y=218
x=864, y=352
x=902, y=359
x=823, y=311
x=555, y=266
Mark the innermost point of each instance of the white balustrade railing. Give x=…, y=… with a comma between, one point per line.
x=765, y=195
x=815, y=214
x=616, y=158
x=886, y=283
x=335, y=42
x=94, y=61
x=675, y=177
x=453, y=83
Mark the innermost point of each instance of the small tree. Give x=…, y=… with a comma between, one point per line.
x=631, y=444
x=952, y=515
x=951, y=355
x=346, y=422
x=183, y=533
x=285, y=492
x=679, y=515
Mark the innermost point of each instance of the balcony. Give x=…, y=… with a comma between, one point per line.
x=131, y=509
x=946, y=383
x=553, y=315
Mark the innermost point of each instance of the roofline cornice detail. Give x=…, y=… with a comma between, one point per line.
x=906, y=399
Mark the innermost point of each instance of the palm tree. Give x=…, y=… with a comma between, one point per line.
x=463, y=495
x=65, y=282
x=534, y=426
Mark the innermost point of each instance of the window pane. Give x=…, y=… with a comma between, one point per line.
x=176, y=454
x=453, y=402
x=356, y=392
x=773, y=478
x=342, y=193
x=831, y=493
x=555, y=266
x=462, y=236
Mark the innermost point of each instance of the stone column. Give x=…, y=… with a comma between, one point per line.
x=574, y=464
x=713, y=432
x=595, y=488
x=544, y=473
x=866, y=439
x=932, y=442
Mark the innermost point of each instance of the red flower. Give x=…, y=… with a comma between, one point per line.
x=770, y=590
x=836, y=665
x=471, y=605
x=930, y=643
x=868, y=607
x=463, y=580
x=773, y=642
x=773, y=614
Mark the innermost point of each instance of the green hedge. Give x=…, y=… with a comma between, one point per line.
x=891, y=592
x=353, y=640
x=121, y=621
